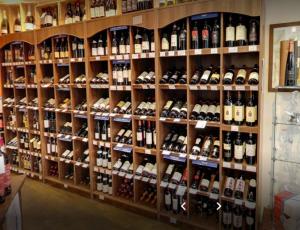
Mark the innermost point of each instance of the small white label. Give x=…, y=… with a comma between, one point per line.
x=171, y=53
x=232, y=49
x=202, y=158
x=181, y=53
x=193, y=157
x=238, y=166
x=172, y=87
x=177, y=120
x=166, y=152
x=251, y=168
x=226, y=164
x=193, y=87
x=201, y=124
x=234, y=128
x=252, y=48
x=198, y=51
x=162, y=54
x=240, y=87
x=214, y=50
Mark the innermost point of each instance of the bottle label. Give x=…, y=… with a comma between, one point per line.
x=237, y=221
x=229, y=76
x=94, y=51
x=145, y=46
x=216, y=143
x=212, y=109
x=197, y=108
x=28, y=26
x=101, y=12
x=230, y=33
x=103, y=136
x=242, y=73
x=175, y=203
x=92, y=9
x=139, y=136
x=114, y=50
x=18, y=28
x=239, y=111
x=204, y=182
x=229, y=183
x=174, y=40
x=165, y=44
x=215, y=37
x=168, y=200
x=99, y=186
x=195, y=35
x=251, y=114
x=46, y=124
x=177, y=176
x=241, y=33
x=122, y=49
x=249, y=220
x=240, y=185
x=48, y=19
x=152, y=46
x=216, y=185
x=238, y=152
x=48, y=148
x=120, y=76
x=140, y=169
x=137, y=48
x=250, y=150
x=253, y=36
x=227, y=218
x=227, y=147
x=196, y=149
x=228, y=112
x=253, y=75
x=100, y=51
x=215, y=76
x=206, y=75
x=54, y=22
x=104, y=163
x=205, y=34
x=149, y=138
x=168, y=105
x=204, y=108
x=206, y=144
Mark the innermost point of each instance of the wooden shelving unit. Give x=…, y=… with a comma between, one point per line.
x=85, y=173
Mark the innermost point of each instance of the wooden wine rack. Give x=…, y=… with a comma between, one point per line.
x=155, y=19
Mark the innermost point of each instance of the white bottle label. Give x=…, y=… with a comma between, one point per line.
x=165, y=44
x=177, y=176
x=229, y=183
x=228, y=112
x=212, y=109
x=149, y=138
x=29, y=26
x=152, y=46
x=114, y=50
x=206, y=75
x=240, y=185
x=175, y=203
x=99, y=186
x=137, y=48
x=127, y=49
x=46, y=123
x=251, y=114
x=228, y=76
x=101, y=11
x=100, y=51
x=173, y=40
x=48, y=148
x=238, y=152
x=204, y=108
x=145, y=45
x=253, y=75
x=227, y=147
x=139, y=136
x=230, y=33
x=18, y=28
x=94, y=51
x=204, y=182
x=139, y=170
x=122, y=49
x=242, y=73
x=239, y=113
x=250, y=150
x=99, y=161
x=168, y=200
x=241, y=32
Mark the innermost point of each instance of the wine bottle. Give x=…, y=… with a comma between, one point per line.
x=196, y=77
x=207, y=146
x=241, y=76
x=215, y=35
x=250, y=150
x=253, y=76
x=237, y=218
x=145, y=43
x=290, y=72
x=174, y=38
x=210, y=112
x=228, y=109
x=239, y=149
x=229, y=186
x=17, y=25
x=166, y=109
x=114, y=46
x=139, y=135
x=168, y=199
x=100, y=47
x=195, y=112
x=227, y=216
x=165, y=46
x=196, y=180
x=216, y=116
x=250, y=219
x=228, y=77
x=251, y=110
x=230, y=33
x=205, y=35
x=197, y=146
x=182, y=38
x=206, y=75
x=216, y=148
x=239, y=110
x=149, y=136
x=215, y=77
x=175, y=110
x=241, y=33
x=204, y=184
x=251, y=197
x=227, y=148
x=253, y=33
x=2, y=178
x=122, y=45
x=195, y=36
x=4, y=24
x=104, y=135
x=203, y=112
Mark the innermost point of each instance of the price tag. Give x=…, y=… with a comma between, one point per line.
x=127, y=116
x=213, y=87
x=232, y=49
x=251, y=168
x=193, y=191
x=112, y=57
x=198, y=51
x=151, y=55
x=181, y=53
x=77, y=163
x=163, y=184
x=182, y=155
x=162, y=54
x=214, y=196
x=98, y=58
x=203, y=87
x=119, y=57
x=129, y=176
x=115, y=172
x=128, y=87
x=177, y=120
x=193, y=157
x=254, y=87
x=101, y=197
x=153, y=181
x=238, y=166
x=240, y=87
x=145, y=179
x=136, y=177
x=85, y=165
x=226, y=164
x=143, y=117
x=135, y=56
x=172, y=87
x=126, y=56
x=121, y=174
x=101, y=170
x=85, y=139
x=193, y=87
x=143, y=55
x=119, y=145
x=166, y=152
x=107, y=145
x=147, y=151
x=72, y=59
x=162, y=118
x=252, y=48
x=234, y=128
x=214, y=50
x=119, y=87
x=171, y=53
x=113, y=87
x=202, y=158
x=201, y=124
x=238, y=201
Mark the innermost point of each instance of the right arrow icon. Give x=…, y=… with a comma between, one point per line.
x=219, y=206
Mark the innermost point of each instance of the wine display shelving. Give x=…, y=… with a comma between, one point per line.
x=74, y=90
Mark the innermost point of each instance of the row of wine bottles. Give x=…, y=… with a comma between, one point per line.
x=104, y=183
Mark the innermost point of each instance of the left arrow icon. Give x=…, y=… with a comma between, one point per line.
x=183, y=206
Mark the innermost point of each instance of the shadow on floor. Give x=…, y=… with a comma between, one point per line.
x=46, y=207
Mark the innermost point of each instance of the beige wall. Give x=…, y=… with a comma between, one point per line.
x=276, y=11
